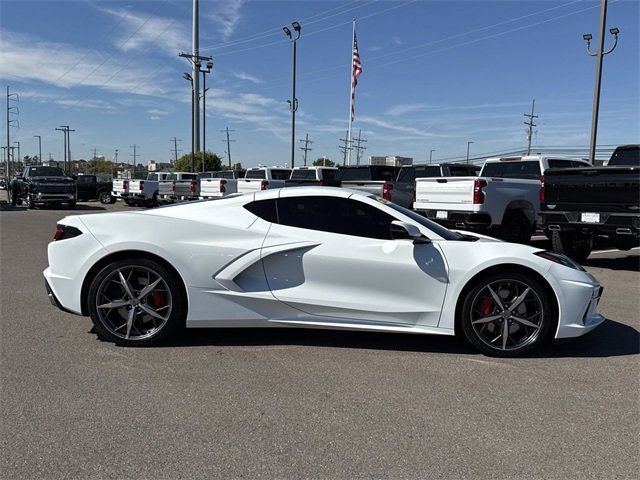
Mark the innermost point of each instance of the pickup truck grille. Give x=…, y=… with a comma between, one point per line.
x=56, y=188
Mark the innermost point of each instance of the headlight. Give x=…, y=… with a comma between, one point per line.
x=559, y=258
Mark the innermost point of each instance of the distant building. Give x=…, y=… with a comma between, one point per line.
x=154, y=166
x=391, y=161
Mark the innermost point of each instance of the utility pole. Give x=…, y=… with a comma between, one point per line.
x=468, y=144
x=65, y=130
x=175, y=148
x=19, y=157
x=345, y=148
x=306, y=148
x=228, y=144
x=135, y=156
x=359, y=149
x=39, y=137
x=431, y=155
x=293, y=103
x=600, y=53
x=115, y=162
x=530, y=124
x=9, y=122
x=195, y=53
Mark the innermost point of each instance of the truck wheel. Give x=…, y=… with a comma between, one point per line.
x=127, y=201
x=31, y=204
x=72, y=205
x=516, y=228
x=625, y=243
x=13, y=197
x=105, y=198
x=572, y=245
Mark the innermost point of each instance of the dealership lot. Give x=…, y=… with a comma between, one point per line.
x=302, y=403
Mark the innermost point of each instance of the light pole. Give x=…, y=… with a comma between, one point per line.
x=39, y=147
x=468, y=144
x=189, y=78
x=204, y=106
x=431, y=155
x=599, y=54
x=293, y=103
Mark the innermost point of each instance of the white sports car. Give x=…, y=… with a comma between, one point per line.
x=315, y=257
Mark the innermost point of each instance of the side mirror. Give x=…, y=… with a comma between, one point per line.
x=407, y=231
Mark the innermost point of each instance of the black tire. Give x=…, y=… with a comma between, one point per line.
x=13, y=197
x=531, y=337
x=72, y=205
x=573, y=245
x=178, y=308
x=128, y=202
x=515, y=227
x=31, y=204
x=104, y=198
x=113, y=200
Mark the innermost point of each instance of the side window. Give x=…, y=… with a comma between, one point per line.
x=280, y=174
x=328, y=175
x=265, y=209
x=334, y=215
x=407, y=174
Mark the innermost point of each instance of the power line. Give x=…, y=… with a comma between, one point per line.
x=358, y=147
x=345, y=148
x=306, y=147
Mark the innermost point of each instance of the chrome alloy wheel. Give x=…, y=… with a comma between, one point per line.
x=133, y=303
x=507, y=315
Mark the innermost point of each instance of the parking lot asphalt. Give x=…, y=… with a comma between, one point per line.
x=303, y=403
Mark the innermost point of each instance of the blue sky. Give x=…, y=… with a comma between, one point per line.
x=435, y=75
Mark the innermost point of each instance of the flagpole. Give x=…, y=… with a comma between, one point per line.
x=348, y=145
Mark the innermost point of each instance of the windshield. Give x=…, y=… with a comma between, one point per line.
x=255, y=174
x=303, y=175
x=439, y=230
x=626, y=156
x=46, y=172
x=512, y=169
x=375, y=173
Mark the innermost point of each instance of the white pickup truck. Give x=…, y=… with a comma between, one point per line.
x=120, y=188
x=178, y=186
x=219, y=184
x=263, y=178
x=505, y=197
x=144, y=192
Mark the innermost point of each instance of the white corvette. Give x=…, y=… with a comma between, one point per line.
x=315, y=257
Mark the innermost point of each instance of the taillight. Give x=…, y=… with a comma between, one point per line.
x=386, y=191
x=65, y=231
x=192, y=186
x=478, y=194
x=542, y=188
x=223, y=187
x=264, y=184
x=141, y=185
x=322, y=184
x=125, y=184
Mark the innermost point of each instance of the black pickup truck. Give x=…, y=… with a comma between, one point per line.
x=318, y=176
x=582, y=205
x=95, y=187
x=48, y=185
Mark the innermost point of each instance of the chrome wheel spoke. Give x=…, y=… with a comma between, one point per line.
x=115, y=304
x=505, y=334
x=150, y=311
x=147, y=290
x=524, y=321
x=486, y=319
x=130, y=318
x=125, y=284
x=516, y=303
x=495, y=297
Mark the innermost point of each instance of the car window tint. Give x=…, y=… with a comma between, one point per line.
x=84, y=179
x=265, y=209
x=354, y=173
x=527, y=170
x=407, y=174
x=558, y=163
x=152, y=176
x=387, y=174
x=303, y=175
x=280, y=174
x=328, y=174
x=256, y=174
x=460, y=171
x=334, y=215
x=189, y=176
x=427, y=171
x=626, y=156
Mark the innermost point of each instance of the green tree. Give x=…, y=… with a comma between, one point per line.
x=323, y=162
x=212, y=162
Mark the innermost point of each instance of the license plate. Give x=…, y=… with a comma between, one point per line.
x=442, y=214
x=590, y=217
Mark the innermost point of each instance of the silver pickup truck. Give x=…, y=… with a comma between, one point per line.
x=178, y=186
x=380, y=180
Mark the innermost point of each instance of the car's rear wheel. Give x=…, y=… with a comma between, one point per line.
x=105, y=198
x=572, y=244
x=507, y=315
x=136, y=302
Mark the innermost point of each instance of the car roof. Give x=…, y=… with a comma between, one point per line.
x=309, y=191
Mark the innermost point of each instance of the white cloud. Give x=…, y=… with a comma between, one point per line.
x=157, y=112
x=226, y=14
x=403, y=109
x=19, y=53
x=246, y=76
x=407, y=130
x=143, y=31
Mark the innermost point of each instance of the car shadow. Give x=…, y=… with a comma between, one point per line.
x=623, y=262
x=609, y=340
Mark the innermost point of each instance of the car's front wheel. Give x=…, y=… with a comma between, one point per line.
x=507, y=315
x=136, y=302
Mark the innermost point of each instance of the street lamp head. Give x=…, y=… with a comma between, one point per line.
x=587, y=37
x=209, y=65
x=186, y=76
x=296, y=26
x=286, y=31
x=615, y=31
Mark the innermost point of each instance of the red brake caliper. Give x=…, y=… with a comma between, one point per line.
x=158, y=299
x=486, y=305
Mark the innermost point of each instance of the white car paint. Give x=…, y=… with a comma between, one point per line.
x=315, y=279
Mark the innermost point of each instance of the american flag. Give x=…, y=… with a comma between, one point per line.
x=356, y=70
